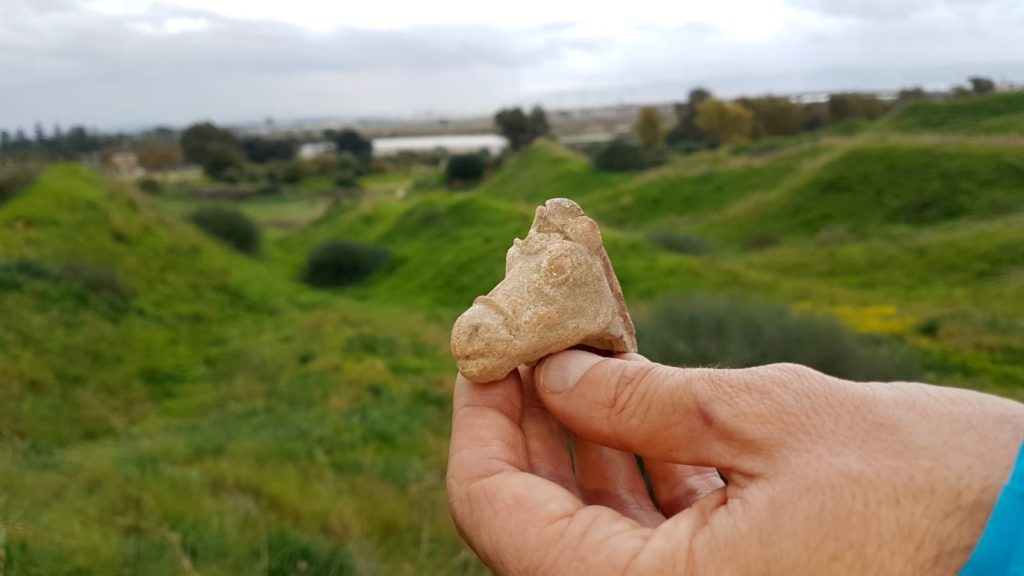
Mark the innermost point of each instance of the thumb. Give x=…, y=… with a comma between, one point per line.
x=699, y=416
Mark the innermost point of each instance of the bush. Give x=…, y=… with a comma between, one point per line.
x=281, y=172
x=96, y=278
x=223, y=163
x=13, y=273
x=681, y=243
x=339, y=263
x=346, y=180
x=717, y=331
x=465, y=170
x=621, y=155
x=14, y=178
x=92, y=277
x=230, y=226
x=149, y=185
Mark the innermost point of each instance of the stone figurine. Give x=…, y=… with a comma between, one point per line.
x=559, y=291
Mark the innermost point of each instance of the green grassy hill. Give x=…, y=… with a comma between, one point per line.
x=990, y=114
x=166, y=400
x=168, y=405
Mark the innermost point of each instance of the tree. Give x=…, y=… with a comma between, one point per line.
x=620, y=155
x=538, y=123
x=981, y=85
x=515, y=126
x=198, y=139
x=774, y=116
x=648, y=129
x=40, y=134
x=348, y=140
x=464, y=170
x=221, y=161
x=729, y=122
x=158, y=155
x=79, y=141
x=913, y=94
x=851, y=105
x=814, y=116
x=685, y=129
x=215, y=149
x=21, y=141
x=263, y=150
x=5, y=139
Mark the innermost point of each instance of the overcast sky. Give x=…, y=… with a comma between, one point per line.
x=133, y=63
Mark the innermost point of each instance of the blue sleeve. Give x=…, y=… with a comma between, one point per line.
x=1001, y=548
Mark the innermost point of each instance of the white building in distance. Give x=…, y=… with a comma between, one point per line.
x=313, y=150
x=452, y=144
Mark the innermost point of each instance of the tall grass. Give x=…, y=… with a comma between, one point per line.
x=733, y=333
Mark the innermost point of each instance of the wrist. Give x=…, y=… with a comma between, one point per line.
x=1000, y=550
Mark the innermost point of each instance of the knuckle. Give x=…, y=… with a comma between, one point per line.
x=794, y=395
x=788, y=373
x=753, y=399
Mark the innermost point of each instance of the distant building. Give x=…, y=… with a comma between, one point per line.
x=124, y=165
x=313, y=150
x=452, y=144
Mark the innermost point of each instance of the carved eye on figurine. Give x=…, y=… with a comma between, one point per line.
x=557, y=268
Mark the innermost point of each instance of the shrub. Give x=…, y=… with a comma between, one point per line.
x=727, y=122
x=14, y=178
x=91, y=277
x=681, y=243
x=223, y=163
x=149, y=185
x=339, y=263
x=726, y=332
x=621, y=155
x=230, y=226
x=346, y=180
x=465, y=170
x=844, y=106
x=95, y=278
x=762, y=241
x=13, y=273
x=426, y=181
x=281, y=172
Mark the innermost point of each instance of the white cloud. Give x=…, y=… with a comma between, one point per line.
x=741, y=18
x=178, y=25
x=125, y=62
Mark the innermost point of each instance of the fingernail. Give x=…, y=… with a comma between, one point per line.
x=562, y=371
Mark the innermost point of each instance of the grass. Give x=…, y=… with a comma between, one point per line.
x=167, y=404
x=530, y=178
x=870, y=186
x=220, y=414
x=691, y=190
x=989, y=114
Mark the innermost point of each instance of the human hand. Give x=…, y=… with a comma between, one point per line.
x=824, y=476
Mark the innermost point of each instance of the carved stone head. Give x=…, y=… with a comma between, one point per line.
x=559, y=291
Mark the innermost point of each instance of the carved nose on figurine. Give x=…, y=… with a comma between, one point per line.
x=477, y=334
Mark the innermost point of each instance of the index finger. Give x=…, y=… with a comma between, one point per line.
x=516, y=521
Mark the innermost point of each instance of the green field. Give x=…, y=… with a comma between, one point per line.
x=170, y=406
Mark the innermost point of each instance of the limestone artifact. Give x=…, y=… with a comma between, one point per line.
x=559, y=291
